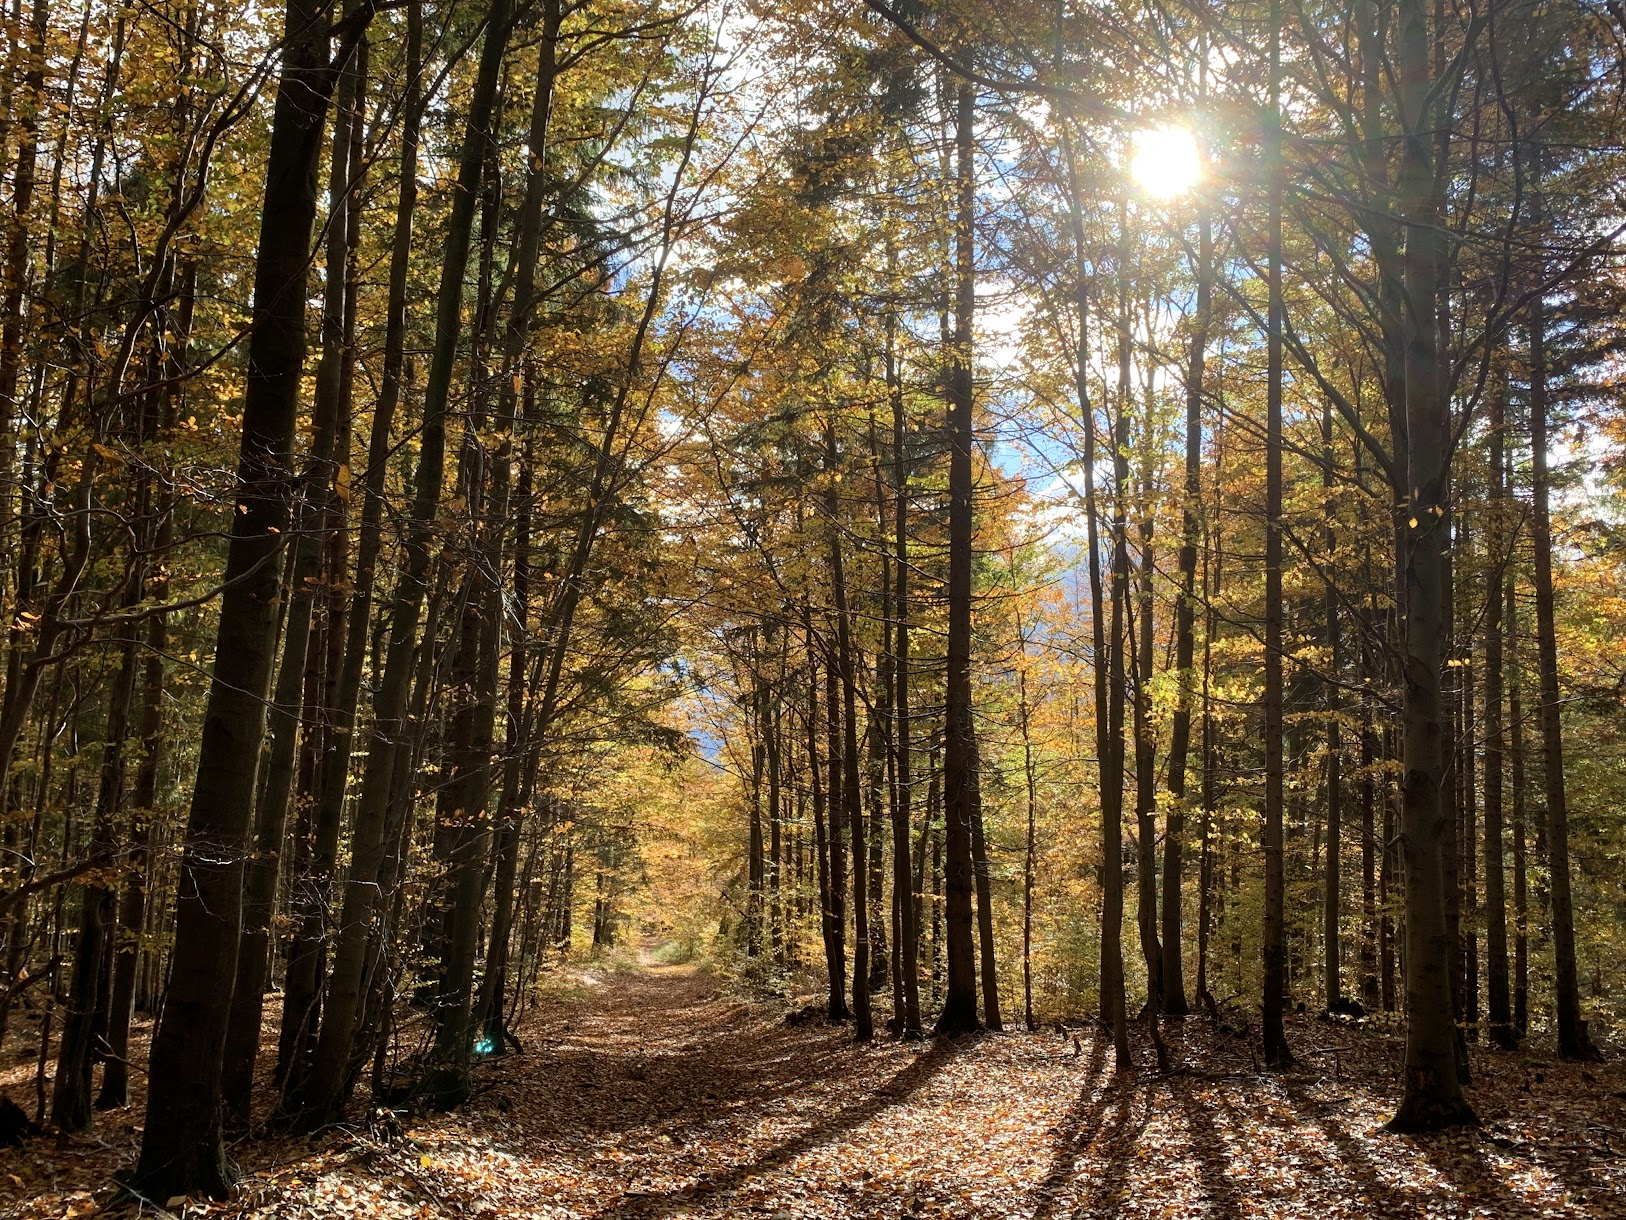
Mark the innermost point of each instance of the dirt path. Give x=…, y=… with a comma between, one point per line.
x=657, y=1093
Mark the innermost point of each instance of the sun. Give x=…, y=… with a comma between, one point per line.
x=1164, y=161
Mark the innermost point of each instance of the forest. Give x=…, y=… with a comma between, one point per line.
x=836, y=607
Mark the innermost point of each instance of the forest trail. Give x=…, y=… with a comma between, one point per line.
x=660, y=1092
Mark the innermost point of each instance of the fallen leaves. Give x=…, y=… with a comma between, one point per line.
x=651, y=1095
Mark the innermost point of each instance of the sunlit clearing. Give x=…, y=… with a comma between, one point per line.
x=1164, y=161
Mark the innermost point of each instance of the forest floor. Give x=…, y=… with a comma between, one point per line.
x=658, y=1092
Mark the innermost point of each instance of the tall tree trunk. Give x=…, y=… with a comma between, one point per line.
x=182, y=1150
x=1141, y=668
x=1370, y=994
x=1276, y=1052
x=852, y=764
x=1105, y=670
x=1207, y=866
x=1030, y=788
x=756, y=868
x=1496, y=553
x=905, y=892
x=322, y=1097
x=840, y=812
x=988, y=965
x=19, y=242
x=1573, y=1041
x=959, y=1012
x=127, y=955
x=1433, y=1095
x=517, y=777
x=70, y=1097
x=1332, y=900
x=1185, y=616
x=298, y=695
x=831, y=922
x=1517, y=779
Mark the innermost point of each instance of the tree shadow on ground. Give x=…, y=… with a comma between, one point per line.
x=672, y=1068
x=709, y=1187
x=1081, y=1130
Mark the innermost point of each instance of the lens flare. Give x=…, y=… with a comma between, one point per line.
x=1164, y=161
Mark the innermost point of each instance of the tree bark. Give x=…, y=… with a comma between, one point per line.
x=1185, y=617
x=1332, y=899
x=1573, y=1041
x=182, y=1149
x=322, y=1097
x=1497, y=548
x=1276, y=1052
x=1433, y=1095
x=906, y=894
x=959, y=1012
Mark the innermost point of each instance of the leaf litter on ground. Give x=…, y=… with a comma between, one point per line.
x=659, y=1093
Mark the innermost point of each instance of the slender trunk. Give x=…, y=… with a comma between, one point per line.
x=19, y=242
x=128, y=952
x=1370, y=993
x=851, y=762
x=1141, y=669
x=1516, y=777
x=322, y=1097
x=832, y=855
x=1386, y=886
x=1030, y=854
x=959, y=1012
x=1105, y=669
x=905, y=893
x=132, y=915
x=1333, y=898
x=988, y=964
x=756, y=872
x=1276, y=1051
x=1207, y=867
x=1185, y=615
x=359, y=617
x=517, y=776
x=1573, y=1040
x=1495, y=914
x=70, y=1098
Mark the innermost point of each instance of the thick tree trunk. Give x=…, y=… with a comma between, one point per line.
x=182, y=1150
x=1433, y=1095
